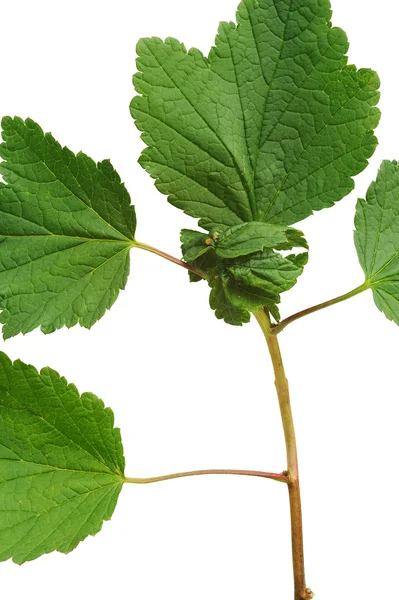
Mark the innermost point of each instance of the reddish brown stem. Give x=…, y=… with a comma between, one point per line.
x=276, y=476
x=275, y=329
x=170, y=258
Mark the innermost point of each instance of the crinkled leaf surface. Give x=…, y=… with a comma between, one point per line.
x=251, y=282
x=66, y=228
x=247, y=238
x=224, y=309
x=295, y=239
x=194, y=244
x=270, y=127
x=61, y=463
x=377, y=239
x=236, y=241
x=243, y=270
x=269, y=271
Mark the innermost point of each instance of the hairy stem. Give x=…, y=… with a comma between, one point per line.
x=276, y=476
x=171, y=258
x=301, y=591
x=275, y=329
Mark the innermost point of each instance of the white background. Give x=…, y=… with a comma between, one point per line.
x=190, y=392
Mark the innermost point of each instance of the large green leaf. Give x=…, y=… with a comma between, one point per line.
x=66, y=228
x=61, y=463
x=270, y=127
x=377, y=239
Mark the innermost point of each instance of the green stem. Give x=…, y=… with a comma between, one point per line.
x=276, y=476
x=301, y=591
x=275, y=329
x=171, y=258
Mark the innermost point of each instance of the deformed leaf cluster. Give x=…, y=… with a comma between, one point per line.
x=243, y=269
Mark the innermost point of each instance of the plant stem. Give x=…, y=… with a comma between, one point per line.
x=171, y=258
x=276, y=476
x=301, y=591
x=275, y=329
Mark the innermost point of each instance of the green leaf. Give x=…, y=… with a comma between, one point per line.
x=295, y=239
x=221, y=304
x=61, y=463
x=377, y=239
x=194, y=244
x=269, y=272
x=198, y=249
x=66, y=228
x=247, y=238
x=207, y=262
x=270, y=127
x=249, y=283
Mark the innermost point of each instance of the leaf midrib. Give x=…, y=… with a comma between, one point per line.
x=50, y=468
x=70, y=237
x=245, y=184
x=36, y=516
x=254, y=170
x=52, y=426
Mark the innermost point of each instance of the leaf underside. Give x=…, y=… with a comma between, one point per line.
x=377, y=239
x=61, y=463
x=66, y=228
x=270, y=127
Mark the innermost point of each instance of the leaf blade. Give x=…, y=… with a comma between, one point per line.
x=377, y=239
x=251, y=282
x=66, y=228
x=60, y=481
x=270, y=127
x=248, y=238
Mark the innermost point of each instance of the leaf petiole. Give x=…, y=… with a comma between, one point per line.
x=276, y=476
x=171, y=258
x=275, y=329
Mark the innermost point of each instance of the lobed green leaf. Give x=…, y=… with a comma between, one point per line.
x=272, y=126
x=252, y=282
x=61, y=463
x=66, y=228
x=377, y=239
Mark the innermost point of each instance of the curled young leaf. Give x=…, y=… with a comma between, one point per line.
x=295, y=239
x=251, y=282
x=194, y=244
x=247, y=238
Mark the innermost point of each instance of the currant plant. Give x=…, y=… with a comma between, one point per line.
x=270, y=127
